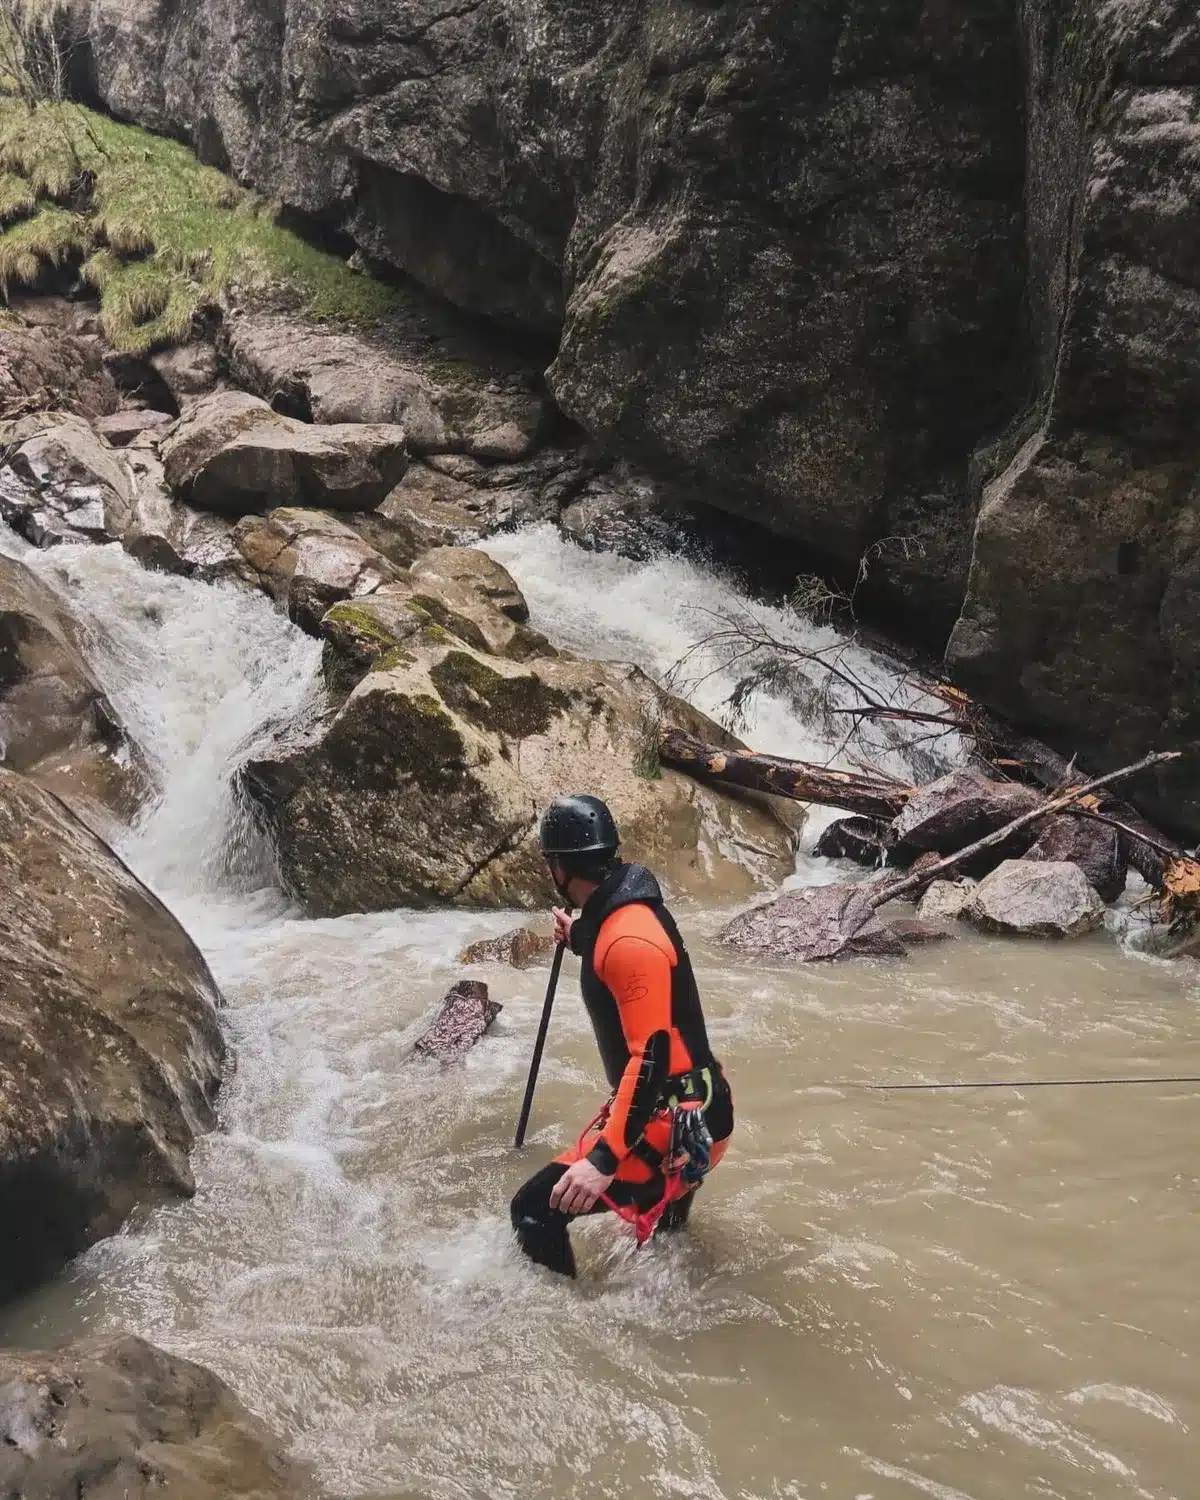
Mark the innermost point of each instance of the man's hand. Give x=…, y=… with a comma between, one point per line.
x=579, y=1187
x=563, y=923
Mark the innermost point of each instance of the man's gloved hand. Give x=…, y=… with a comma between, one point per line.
x=579, y=1187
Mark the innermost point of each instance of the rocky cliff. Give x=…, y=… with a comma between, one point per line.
x=839, y=266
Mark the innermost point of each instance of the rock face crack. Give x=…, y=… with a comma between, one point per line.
x=512, y=840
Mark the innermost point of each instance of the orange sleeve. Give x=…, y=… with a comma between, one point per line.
x=634, y=959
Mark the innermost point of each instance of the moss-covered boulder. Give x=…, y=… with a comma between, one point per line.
x=475, y=570
x=427, y=785
x=233, y=454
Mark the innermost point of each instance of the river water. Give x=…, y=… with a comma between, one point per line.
x=979, y=1295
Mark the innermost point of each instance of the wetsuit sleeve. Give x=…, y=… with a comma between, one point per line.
x=638, y=974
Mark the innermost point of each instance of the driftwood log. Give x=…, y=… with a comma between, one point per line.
x=870, y=794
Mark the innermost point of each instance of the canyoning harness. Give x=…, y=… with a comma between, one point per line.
x=688, y=1157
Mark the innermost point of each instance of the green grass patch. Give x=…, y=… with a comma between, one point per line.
x=161, y=237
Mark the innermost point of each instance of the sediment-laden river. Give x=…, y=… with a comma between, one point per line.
x=982, y=1295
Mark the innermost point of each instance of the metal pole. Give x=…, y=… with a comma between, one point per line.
x=539, y=1046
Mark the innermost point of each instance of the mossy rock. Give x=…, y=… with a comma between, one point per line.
x=513, y=706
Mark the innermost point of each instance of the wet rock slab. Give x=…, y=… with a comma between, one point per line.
x=466, y=1014
x=117, y=1419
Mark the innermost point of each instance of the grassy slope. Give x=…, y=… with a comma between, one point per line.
x=159, y=236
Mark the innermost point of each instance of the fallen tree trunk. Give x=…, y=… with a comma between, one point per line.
x=871, y=795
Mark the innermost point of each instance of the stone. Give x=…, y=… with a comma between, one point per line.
x=188, y=371
x=862, y=840
x=465, y=1014
x=945, y=901
x=110, y=1051
x=956, y=810
x=169, y=537
x=233, y=455
x=116, y=1417
x=520, y=949
x=918, y=933
x=56, y=724
x=477, y=571
x=1097, y=849
x=813, y=924
x=307, y=560
x=419, y=522
x=425, y=787
x=444, y=403
x=1031, y=899
x=48, y=368
x=65, y=483
x=122, y=427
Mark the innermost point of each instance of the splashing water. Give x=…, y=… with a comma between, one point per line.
x=877, y=1298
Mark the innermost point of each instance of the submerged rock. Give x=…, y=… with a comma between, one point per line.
x=465, y=1014
x=1031, y=899
x=56, y=724
x=110, y=1051
x=426, y=787
x=232, y=454
x=521, y=948
x=116, y=1417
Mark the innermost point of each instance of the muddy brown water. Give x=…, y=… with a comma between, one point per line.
x=968, y=1296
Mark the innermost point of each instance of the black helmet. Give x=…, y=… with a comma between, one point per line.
x=579, y=825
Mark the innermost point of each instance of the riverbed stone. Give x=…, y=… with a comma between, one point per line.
x=477, y=571
x=426, y=786
x=117, y=1419
x=1098, y=850
x=110, y=1051
x=56, y=724
x=813, y=924
x=520, y=949
x=123, y=427
x=863, y=840
x=232, y=454
x=169, y=537
x=308, y=560
x=956, y=810
x=60, y=481
x=1036, y=899
x=945, y=901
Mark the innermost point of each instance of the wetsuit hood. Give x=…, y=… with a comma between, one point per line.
x=626, y=886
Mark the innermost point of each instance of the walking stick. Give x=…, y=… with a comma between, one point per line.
x=540, y=1045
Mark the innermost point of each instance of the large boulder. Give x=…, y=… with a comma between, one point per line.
x=957, y=810
x=427, y=785
x=1032, y=899
x=232, y=454
x=110, y=1051
x=62, y=482
x=1098, y=850
x=117, y=1419
x=446, y=404
x=467, y=567
x=56, y=724
x=824, y=922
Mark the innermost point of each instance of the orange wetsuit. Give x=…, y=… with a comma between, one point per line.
x=641, y=995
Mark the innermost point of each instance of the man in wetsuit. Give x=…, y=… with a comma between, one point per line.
x=641, y=995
